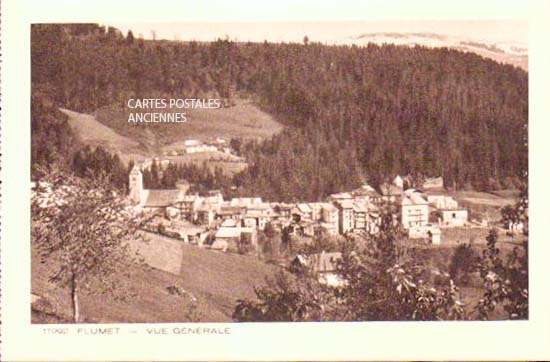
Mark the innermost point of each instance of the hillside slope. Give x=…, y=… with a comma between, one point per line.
x=110, y=129
x=216, y=280
x=91, y=132
x=244, y=120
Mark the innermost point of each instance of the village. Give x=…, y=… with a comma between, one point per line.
x=210, y=221
x=191, y=217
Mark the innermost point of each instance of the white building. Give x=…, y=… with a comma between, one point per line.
x=345, y=215
x=414, y=210
x=442, y=201
x=453, y=217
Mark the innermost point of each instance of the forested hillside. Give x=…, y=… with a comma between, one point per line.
x=351, y=113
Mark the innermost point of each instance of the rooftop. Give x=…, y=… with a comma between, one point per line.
x=413, y=199
x=328, y=206
x=232, y=223
x=390, y=190
x=304, y=208
x=345, y=204
x=341, y=195
x=228, y=232
x=162, y=198
x=360, y=206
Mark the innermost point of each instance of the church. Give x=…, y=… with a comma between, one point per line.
x=153, y=200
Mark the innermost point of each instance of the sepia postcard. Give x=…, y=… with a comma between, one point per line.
x=292, y=181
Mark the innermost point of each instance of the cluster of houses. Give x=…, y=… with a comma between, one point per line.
x=193, y=146
x=194, y=218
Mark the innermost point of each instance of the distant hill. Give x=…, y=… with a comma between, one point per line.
x=503, y=52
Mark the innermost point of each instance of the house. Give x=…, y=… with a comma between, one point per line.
x=230, y=236
x=186, y=231
x=196, y=146
x=303, y=212
x=414, y=210
x=430, y=232
x=345, y=215
x=398, y=181
x=205, y=209
x=453, y=217
x=195, y=235
x=245, y=201
x=231, y=212
x=205, y=214
x=323, y=264
x=309, y=228
x=340, y=196
x=433, y=183
x=284, y=210
x=389, y=193
x=214, y=196
x=251, y=235
x=366, y=193
x=316, y=210
x=328, y=229
x=434, y=236
x=329, y=215
x=159, y=200
x=187, y=205
x=374, y=219
x=258, y=215
x=230, y=223
x=360, y=212
x=442, y=201
x=154, y=200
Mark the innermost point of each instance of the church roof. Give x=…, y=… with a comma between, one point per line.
x=161, y=198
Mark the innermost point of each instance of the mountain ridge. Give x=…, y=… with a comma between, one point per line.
x=509, y=52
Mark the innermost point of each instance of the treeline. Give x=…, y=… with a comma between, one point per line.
x=352, y=113
x=51, y=138
x=89, y=162
x=201, y=178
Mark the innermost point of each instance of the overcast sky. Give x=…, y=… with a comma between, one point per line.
x=327, y=31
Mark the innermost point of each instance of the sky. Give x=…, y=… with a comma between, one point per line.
x=514, y=31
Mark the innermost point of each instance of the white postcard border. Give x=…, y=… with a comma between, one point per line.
x=21, y=341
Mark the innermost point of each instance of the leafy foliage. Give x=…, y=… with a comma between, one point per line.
x=91, y=163
x=80, y=225
x=507, y=281
x=379, y=282
x=289, y=298
x=202, y=178
x=51, y=138
x=463, y=263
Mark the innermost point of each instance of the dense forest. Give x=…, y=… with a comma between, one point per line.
x=351, y=113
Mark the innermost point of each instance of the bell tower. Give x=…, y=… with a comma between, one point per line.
x=136, y=184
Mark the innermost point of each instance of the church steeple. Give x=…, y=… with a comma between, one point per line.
x=136, y=184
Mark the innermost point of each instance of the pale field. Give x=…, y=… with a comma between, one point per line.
x=215, y=279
